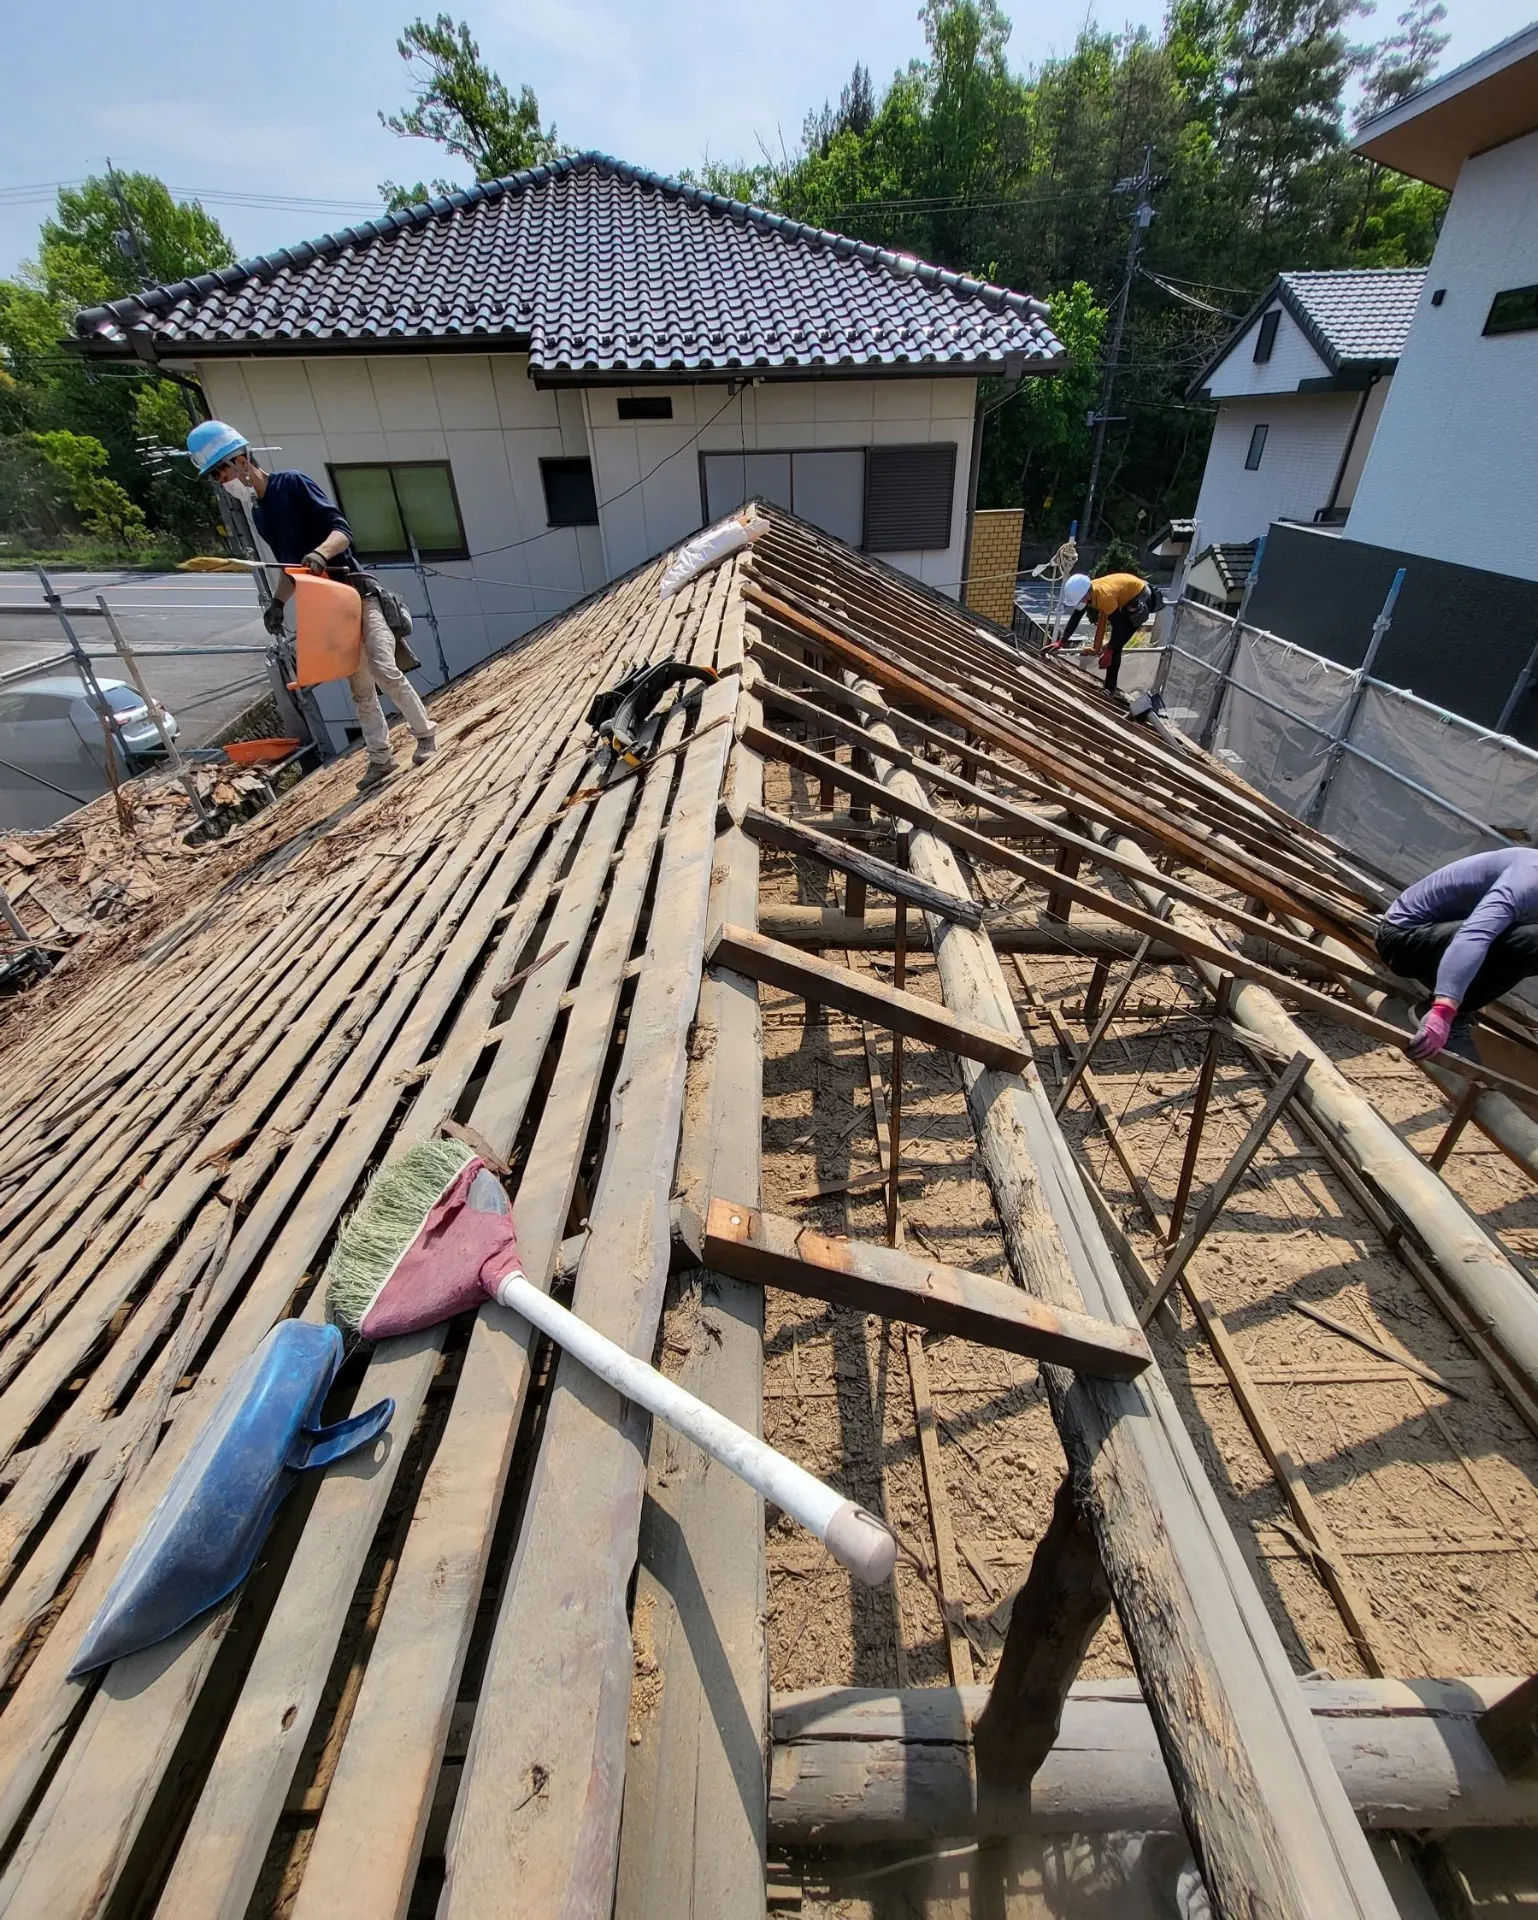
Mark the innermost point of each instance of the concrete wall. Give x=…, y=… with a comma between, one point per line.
x=1302, y=455
x=1460, y=636
x=1453, y=471
x=1292, y=359
x=650, y=470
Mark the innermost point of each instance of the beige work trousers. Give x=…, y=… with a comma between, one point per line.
x=376, y=670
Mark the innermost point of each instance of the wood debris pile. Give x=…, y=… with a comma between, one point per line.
x=90, y=868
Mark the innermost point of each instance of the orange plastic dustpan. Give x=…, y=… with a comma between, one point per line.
x=328, y=619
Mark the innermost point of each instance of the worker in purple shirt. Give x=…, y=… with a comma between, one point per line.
x=1469, y=931
x=304, y=527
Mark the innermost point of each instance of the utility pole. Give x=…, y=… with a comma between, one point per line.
x=1142, y=185
x=129, y=243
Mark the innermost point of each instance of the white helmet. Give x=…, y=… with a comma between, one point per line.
x=1075, y=590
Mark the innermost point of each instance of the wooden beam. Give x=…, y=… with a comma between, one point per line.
x=790, y=836
x=1178, y=931
x=852, y=1767
x=775, y=965
x=1270, y=1827
x=1493, y=1298
x=1026, y=818
x=1055, y=1616
x=776, y=1252
x=1012, y=930
x=1227, y=1180
x=1101, y=1026
x=692, y=1831
x=1509, y=1729
x=1037, y=751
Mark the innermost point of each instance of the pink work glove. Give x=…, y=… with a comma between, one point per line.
x=1431, y=1035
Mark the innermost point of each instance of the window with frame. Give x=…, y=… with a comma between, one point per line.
x=1257, y=448
x=570, y=500
x=1514, y=311
x=1265, y=339
x=391, y=504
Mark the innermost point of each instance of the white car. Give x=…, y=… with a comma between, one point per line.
x=53, y=750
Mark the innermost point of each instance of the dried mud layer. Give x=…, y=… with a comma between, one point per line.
x=1429, y=1494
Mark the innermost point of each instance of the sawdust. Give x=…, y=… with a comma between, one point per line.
x=1429, y=1498
x=646, y=1683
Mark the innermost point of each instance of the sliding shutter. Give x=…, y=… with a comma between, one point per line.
x=909, y=494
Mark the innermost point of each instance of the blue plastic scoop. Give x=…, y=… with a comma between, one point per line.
x=203, y=1537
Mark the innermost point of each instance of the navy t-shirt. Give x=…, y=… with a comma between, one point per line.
x=294, y=515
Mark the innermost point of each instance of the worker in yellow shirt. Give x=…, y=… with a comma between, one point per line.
x=1121, y=603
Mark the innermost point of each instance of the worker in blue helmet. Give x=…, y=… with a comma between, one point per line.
x=304, y=527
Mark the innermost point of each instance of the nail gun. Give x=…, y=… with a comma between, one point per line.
x=620, y=712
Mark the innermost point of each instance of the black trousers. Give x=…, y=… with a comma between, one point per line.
x=1416, y=953
x=1119, y=630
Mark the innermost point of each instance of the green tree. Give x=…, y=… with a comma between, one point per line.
x=465, y=107
x=1038, y=437
x=1013, y=177
x=80, y=261
x=118, y=232
x=101, y=503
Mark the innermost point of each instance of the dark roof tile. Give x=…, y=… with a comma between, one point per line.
x=1361, y=314
x=599, y=267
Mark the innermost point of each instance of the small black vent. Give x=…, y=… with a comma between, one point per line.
x=909, y=496
x=652, y=406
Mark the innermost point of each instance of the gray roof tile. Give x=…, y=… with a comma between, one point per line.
x=596, y=268
x=1360, y=314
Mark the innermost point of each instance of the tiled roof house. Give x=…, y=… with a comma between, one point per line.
x=1299, y=387
x=543, y=380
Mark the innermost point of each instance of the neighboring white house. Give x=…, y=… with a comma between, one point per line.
x=1300, y=387
x=541, y=382
x=1453, y=472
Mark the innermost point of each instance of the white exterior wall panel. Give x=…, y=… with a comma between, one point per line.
x=1306, y=437
x=1453, y=471
x=649, y=470
x=1292, y=359
x=485, y=417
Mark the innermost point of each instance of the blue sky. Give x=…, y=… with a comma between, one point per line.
x=277, y=101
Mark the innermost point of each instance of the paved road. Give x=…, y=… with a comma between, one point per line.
x=176, y=611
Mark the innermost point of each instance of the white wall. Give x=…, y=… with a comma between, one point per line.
x=1292, y=359
x=1361, y=444
x=487, y=419
x=1453, y=471
x=1297, y=469
x=775, y=416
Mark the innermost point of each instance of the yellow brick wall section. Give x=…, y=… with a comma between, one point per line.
x=994, y=558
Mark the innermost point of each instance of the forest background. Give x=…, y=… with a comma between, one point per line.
x=1241, y=109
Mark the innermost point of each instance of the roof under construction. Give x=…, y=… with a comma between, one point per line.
x=910, y=1012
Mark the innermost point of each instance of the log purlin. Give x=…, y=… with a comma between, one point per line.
x=866, y=1768
x=1268, y=1821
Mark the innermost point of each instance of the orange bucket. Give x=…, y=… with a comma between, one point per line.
x=328, y=619
x=258, y=753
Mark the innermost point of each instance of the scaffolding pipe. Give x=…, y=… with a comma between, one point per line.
x=1490, y=1288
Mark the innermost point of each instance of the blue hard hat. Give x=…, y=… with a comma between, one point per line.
x=211, y=443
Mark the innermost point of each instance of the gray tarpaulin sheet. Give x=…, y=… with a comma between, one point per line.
x=1188, y=684
x=1486, y=776
x=1282, y=753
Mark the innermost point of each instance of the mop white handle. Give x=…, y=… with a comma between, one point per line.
x=855, y=1538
